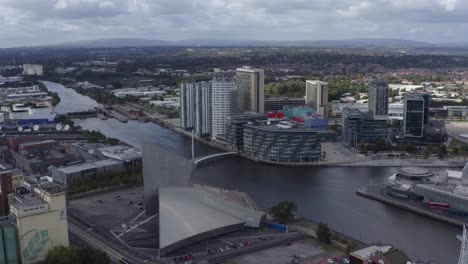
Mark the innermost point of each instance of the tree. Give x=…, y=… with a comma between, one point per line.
x=426, y=153
x=410, y=148
x=75, y=255
x=455, y=151
x=349, y=248
x=283, y=212
x=323, y=234
x=441, y=152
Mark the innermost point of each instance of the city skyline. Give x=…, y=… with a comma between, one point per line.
x=64, y=20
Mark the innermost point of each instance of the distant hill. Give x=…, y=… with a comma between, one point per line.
x=344, y=43
x=363, y=42
x=113, y=43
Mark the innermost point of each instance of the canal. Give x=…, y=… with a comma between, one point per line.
x=322, y=194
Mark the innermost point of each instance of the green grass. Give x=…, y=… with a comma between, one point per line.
x=328, y=247
x=456, y=143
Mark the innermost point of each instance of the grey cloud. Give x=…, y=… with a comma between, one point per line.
x=31, y=22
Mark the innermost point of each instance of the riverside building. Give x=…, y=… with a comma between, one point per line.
x=317, y=96
x=221, y=88
x=250, y=90
x=281, y=142
x=378, y=100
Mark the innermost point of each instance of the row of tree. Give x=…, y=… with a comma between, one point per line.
x=107, y=180
x=75, y=255
x=284, y=212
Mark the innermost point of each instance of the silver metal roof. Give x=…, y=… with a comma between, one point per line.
x=187, y=212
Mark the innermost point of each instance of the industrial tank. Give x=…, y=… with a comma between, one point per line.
x=10, y=242
x=2, y=249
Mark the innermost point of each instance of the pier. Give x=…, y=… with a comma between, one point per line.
x=82, y=114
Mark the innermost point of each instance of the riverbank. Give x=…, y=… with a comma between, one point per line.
x=377, y=193
x=326, y=194
x=358, y=162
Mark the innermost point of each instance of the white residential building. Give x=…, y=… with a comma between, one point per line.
x=221, y=91
x=250, y=90
x=378, y=100
x=32, y=69
x=317, y=96
x=195, y=107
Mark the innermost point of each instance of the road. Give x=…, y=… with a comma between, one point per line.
x=114, y=252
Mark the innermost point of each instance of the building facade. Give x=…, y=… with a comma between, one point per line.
x=32, y=69
x=6, y=187
x=281, y=143
x=41, y=218
x=413, y=116
x=235, y=128
x=276, y=103
x=250, y=90
x=69, y=174
x=187, y=105
x=221, y=89
x=359, y=127
x=203, y=110
x=317, y=96
x=378, y=99
x=195, y=107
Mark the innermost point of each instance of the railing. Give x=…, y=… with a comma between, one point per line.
x=216, y=156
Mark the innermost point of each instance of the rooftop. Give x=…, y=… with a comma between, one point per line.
x=415, y=171
x=45, y=183
x=281, y=126
x=88, y=165
x=368, y=252
x=121, y=152
x=186, y=213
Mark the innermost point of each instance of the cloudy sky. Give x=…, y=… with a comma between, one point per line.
x=35, y=22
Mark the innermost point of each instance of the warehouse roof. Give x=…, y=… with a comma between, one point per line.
x=88, y=165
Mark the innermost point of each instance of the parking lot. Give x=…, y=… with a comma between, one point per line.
x=232, y=244
x=120, y=213
x=298, y=250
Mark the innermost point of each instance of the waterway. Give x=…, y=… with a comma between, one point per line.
x=322, y=194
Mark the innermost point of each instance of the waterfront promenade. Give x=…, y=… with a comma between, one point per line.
x=377, y=192
x=323, y=194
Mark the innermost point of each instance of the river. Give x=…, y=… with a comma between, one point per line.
x=322, y=194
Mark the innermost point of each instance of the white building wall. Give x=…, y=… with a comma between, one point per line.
x=32, y=69
x=221, y=93
x=317, y=96
x=40, y=232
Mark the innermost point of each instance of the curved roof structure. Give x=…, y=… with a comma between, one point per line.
x=190, y=214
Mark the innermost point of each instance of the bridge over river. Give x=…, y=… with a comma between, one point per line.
x=208, y=158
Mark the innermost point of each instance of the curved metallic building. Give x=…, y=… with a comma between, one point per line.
x=281, y=143
x=191, y=214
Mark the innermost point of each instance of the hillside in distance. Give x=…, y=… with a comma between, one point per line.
x=136, y=42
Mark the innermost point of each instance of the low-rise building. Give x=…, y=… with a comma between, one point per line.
x=378, y=254
x=359, y=128
x=69, y=174
x=276, y=103
x=139, y=92
x=235, y=128
x=130, y=156
x=33, y=69
x=35, y=157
